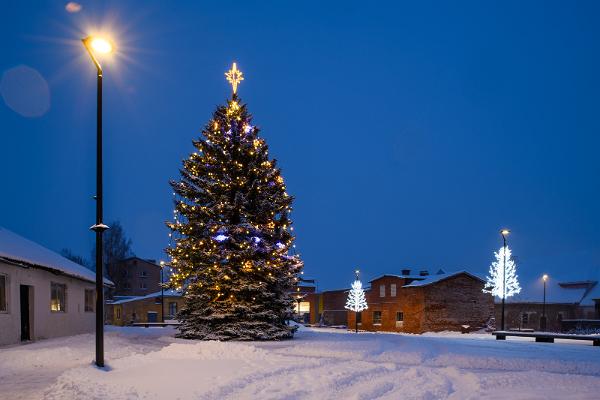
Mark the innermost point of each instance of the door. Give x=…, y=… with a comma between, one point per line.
x=152, y=316
x=25, y=327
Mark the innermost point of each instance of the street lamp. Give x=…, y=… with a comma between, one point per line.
x=162, y=292
x=543, y=321
x=504, y=233
x=95, y=46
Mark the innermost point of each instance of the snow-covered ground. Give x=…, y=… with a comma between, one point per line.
x=149, y=363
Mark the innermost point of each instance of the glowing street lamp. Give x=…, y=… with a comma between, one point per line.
x=162, y=291
x=504, y=233
x=96, y=46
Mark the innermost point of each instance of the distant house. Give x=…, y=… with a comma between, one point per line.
x=42, y=294
x=148, y=308
x=569, y=305
x=421, y=302
x=134, y=277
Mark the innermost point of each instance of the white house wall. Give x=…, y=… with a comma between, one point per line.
x=44, y=323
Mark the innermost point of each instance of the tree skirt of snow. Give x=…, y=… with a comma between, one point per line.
x=149, y=363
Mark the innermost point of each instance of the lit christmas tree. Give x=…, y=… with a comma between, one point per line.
x=498, y=276
x=233, y=234
x=356, y=299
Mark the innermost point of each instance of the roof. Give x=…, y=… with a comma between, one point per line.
x=18, y=250
x=430, y=279
x=557, y=292
x=167, y=293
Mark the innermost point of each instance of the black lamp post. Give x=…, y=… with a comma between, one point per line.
x=162, y=291
x=97, y=45
x=543, y=321
x=504, y=233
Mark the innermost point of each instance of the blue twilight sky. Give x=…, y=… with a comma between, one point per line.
x=409, y=132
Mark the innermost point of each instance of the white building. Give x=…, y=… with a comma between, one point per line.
x=42, y=294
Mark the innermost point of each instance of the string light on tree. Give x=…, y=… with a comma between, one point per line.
x=233, y=233
x=356, y=301
x=497, y=278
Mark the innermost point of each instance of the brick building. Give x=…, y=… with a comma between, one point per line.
x=144, y=308
x=423, y=302
x=327, y=308
x=134, y=277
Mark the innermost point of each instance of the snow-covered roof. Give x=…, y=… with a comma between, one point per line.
x=167, y=293
x=557, y=292
x=17, y=249
x=440, y=277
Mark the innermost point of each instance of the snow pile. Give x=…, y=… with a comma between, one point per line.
x=149, y=363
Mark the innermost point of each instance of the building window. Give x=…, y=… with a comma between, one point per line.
x=399, y=316
x=144, y=274
x=58, y=294
x=381, y=290
x=143, y=285
x=172, y=308
x=524, y=318
x=3, y=286
x=89, y=300
x=393, y=290
x=376, y=317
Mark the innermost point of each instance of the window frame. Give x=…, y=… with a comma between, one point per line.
x=382, y=290
x=399, y=316
x=64, y=296
x=85, y=300
x=171, y=304
x=380, y=318
x=6, y=309
x=393, y=290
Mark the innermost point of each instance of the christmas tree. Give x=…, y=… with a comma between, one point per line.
x=232, y=233
x=356, y=299
x=503, y=282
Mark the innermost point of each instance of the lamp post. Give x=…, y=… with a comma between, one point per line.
x=504, y=233
x=543, y=321
x=96, y=45
x=162, y=291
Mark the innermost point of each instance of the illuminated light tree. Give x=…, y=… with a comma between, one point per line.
x=356, y=300
x=232, y=233
x=500, y=282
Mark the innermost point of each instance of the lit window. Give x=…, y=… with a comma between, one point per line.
x=376, y=317
x=393, y=290
x=3, y=285
x=381, y=290
x=89, y=300
x=58, y=294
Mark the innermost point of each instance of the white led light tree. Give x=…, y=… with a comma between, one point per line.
x=502, y=280
x=356, y=300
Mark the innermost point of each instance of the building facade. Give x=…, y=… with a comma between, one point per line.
x=42, y=294
x=423, y=303
x=144, y=309
x=134, y=277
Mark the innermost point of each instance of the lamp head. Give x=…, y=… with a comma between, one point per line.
x=504, y=232
x=545, y=277
x=98, y=45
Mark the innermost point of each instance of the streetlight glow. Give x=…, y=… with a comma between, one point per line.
x=504, y=232
x=100, y=45
x=545, y=277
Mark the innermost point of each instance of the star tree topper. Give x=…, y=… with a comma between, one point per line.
x=234, y=76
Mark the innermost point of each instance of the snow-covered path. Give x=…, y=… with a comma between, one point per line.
x=317, y=364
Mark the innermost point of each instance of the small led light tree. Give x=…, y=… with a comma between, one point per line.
x=502, y=280
x=356, y=299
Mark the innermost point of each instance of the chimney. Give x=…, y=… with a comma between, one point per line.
x=424, y=273
x=406, y=272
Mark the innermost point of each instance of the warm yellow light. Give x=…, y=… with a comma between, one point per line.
x=504, y=232
x=545, y=277
x=234, y=77
x=100, y=45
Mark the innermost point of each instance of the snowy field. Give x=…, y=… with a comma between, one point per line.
x=149, y=363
